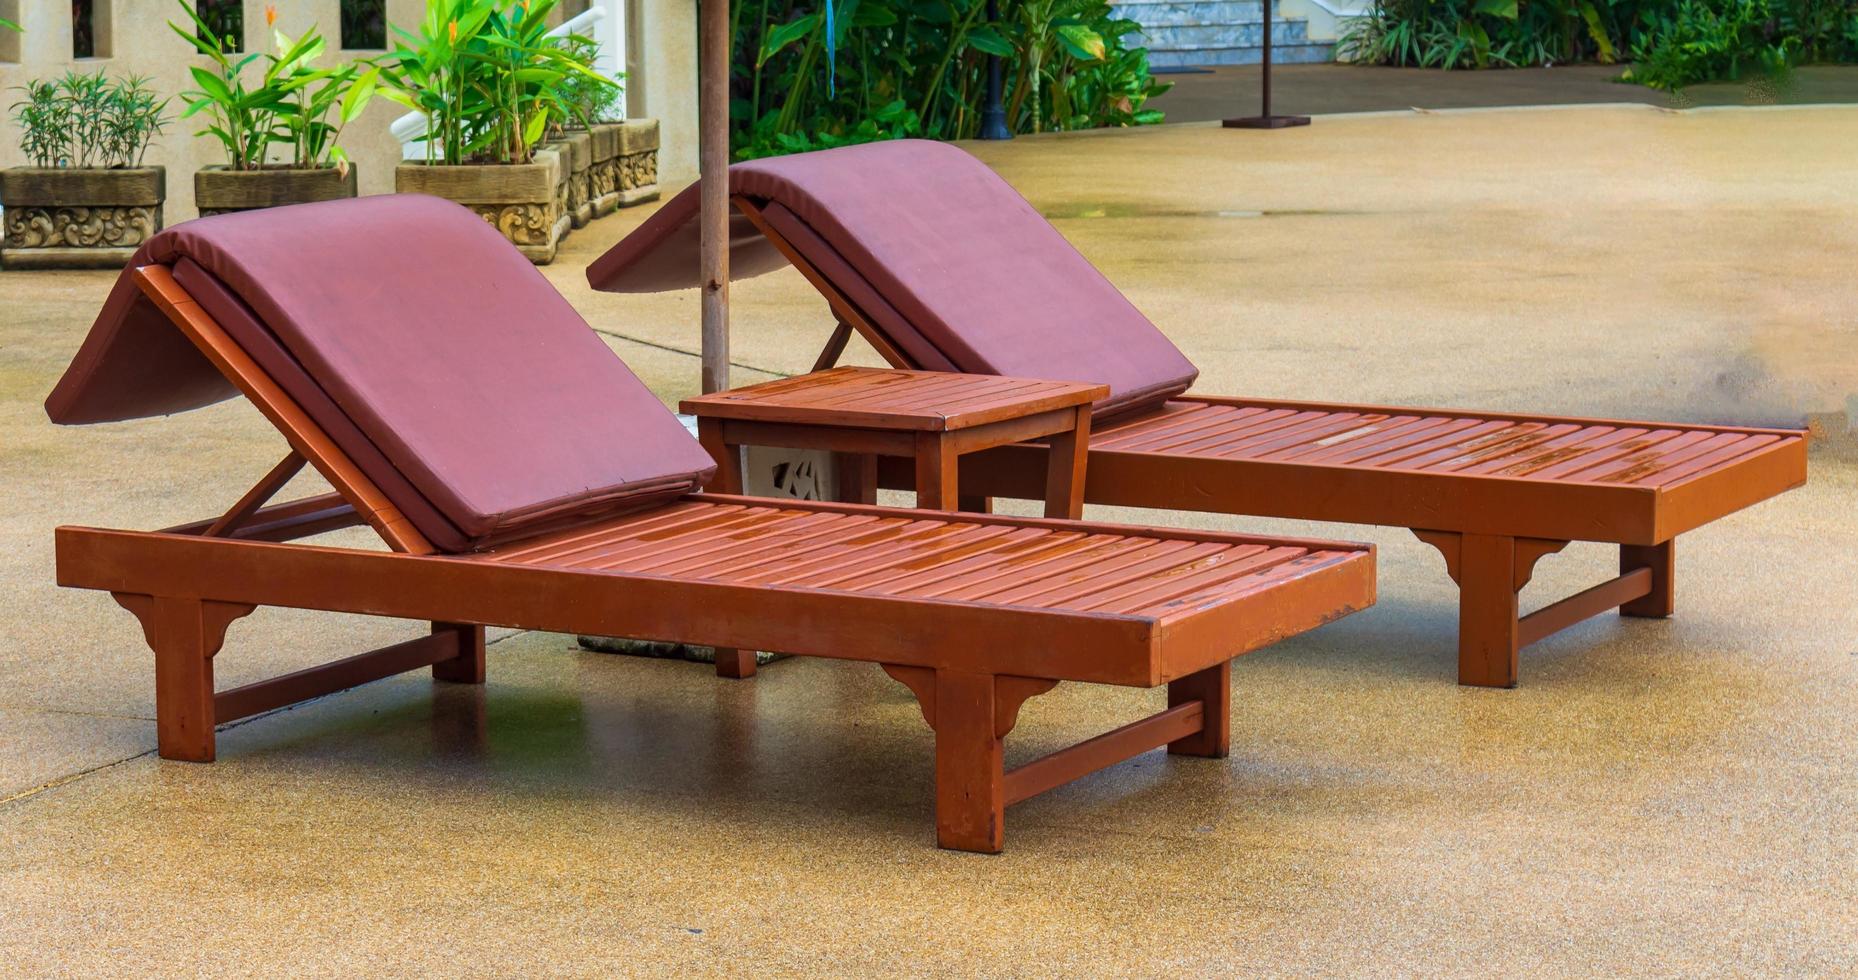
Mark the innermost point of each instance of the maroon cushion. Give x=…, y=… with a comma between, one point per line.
x=231, y=313
x=965, y=266
x=475, y=395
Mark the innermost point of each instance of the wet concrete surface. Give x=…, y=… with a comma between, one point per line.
x=1221, y=93
x=1659, y=797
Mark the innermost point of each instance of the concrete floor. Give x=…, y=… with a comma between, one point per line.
x=1667, y=797
x=1212, y=94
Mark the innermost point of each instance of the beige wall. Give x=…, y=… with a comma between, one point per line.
x=141, y=43
x=661, y=70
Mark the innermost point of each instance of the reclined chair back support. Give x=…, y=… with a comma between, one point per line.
x=973, y=614
x=911, y=241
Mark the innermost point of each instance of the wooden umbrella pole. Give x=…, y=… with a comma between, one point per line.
x=713, y=170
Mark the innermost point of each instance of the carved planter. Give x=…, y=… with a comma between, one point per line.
x=638, y=161
x=578, y=150
x=604, y=177
x=219, y=191
x=625, y=164
x=67, y=218
x=518, y=199
x=559, y=153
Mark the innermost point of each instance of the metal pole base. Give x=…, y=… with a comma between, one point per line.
x=993, y=125
x=1266, y=122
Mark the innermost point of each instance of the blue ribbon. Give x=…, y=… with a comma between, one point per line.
x=832, y=52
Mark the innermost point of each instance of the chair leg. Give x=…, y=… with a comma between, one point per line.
x=185, y=634
x=1661, y=601
x=1211, y=687
x=735, y=664
x=468, y=666
x=1488, y=647
x=970, y=790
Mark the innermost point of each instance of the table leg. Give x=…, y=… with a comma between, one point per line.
x=857, y=477
x=728, y=478
x=937, y=483
x=1064, y=469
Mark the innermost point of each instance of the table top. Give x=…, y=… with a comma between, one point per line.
x=877, y=398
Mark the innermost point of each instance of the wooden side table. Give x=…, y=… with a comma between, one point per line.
x=932, y=417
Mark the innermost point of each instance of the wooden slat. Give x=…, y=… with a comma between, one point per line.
x=1050, y=558
x=1105, y=750
x=1256, y=580
x=1424, y=429
x=1357, y=438
x=286, y=521
x=1303, y=436
x=1399, y=457
x=1040, y=565
x=1610, y=594
x=1638, y=466
x=1526, y=446
x=1173, y=416
x=1214, y=429
x=996, y=556
x=1185, y=428
x=241, y=702
x=1166, y=587
x=924, y=401
x=1728, y=455
x=1129, y=567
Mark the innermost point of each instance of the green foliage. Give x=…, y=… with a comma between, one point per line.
x=1726, y=40
x=292, y=103
x=88, y=120
x=10, y=26
x=1673, y=42
x=487, y=76
x=1490, y=33
x=588, y=96
x=917, y=68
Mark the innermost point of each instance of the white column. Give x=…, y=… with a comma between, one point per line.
x=610, y=32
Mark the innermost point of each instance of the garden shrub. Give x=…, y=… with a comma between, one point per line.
x=1674, y=43
x=811, y=74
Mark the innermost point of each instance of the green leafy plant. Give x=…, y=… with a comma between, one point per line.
x=1488, y=33
x=89, y=120
x=1724, y=40
x=587, y=96
x=291, y=103
x=1672, y=42
x=10, y=26
x=487, y=76
x=882, y=69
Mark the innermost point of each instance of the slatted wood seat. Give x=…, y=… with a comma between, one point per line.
x=940, y=265
x=974, y=614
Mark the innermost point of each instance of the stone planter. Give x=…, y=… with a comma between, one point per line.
x=218, y=190
x=67, y=218
x=603, y=180
x=559, y=151
x=518, y=199
x=579, y=146
x=638, y=162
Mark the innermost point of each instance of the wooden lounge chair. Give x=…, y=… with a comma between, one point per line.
x=520, y=475
x=940, y=265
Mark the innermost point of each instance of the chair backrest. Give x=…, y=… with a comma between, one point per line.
x=970, y=276
x=423, y=343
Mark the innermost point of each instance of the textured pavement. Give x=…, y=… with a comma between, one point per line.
x=1217, y=93
x=1658, y=798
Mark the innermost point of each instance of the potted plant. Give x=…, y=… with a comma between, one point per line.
x=487, y=77
x=87, y=201
x=293, y=104
x=587, y=102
